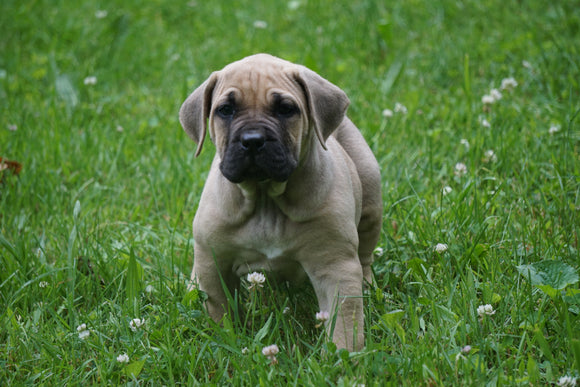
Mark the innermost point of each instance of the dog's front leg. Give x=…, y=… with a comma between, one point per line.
x=211, y=276
x=338, y=287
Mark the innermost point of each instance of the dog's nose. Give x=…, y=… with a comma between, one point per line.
x=252, y=140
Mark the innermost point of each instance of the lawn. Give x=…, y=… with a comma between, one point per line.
x=471, y=108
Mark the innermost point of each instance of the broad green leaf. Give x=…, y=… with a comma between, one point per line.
x=401, y=333
x=379, y=295
x=10, y=317
x=392, y=318
x=573, y=293
x=134, y=369
x=543, y=344
x=264, y=330
x=66, y=91
x=550, y=291
x=331, y=347
x=480, y=250
x=555, y=274
x=190, y=297
x=533, y=371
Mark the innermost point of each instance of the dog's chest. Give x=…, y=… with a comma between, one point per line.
x=271, y=250
x=254, y=234
x=267, y=234
x=263, y=245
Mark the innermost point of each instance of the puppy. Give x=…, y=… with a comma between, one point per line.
x=293, y=188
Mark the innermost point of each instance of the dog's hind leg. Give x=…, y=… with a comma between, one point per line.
x=369, y=227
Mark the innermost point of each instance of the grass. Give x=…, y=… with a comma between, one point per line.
x=96, y=228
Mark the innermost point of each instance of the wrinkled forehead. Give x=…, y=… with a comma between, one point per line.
x=257, y=78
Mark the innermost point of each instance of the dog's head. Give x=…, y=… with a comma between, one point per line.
x=263, y=112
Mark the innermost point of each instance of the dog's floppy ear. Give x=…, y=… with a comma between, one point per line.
x=195, y=111
x=326, y=102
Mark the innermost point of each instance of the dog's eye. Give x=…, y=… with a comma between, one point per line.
x=226, y=110
x=286, y=109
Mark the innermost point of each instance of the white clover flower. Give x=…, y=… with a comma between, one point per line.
x=136, y=323
x=400, y=108
x=487, y=99
x=83, y=331
x=12, y=128
x=484, y=122
x=485, y=310
x=256, y=279
x=554, y=129
x=84, y=334
x=270, y=351
x=465, y=143
x=387, y=113
x=322, y=316
x=286, y=310
x=245, y=351
x=460, y=169
x=260, y=24
x=440, y=248
x=293, y=5
x=489, y=156
x=378, y=251
x=508, y=83
x=43, y=284
x=123, y=358
x=465, y=350
x=446, y=190
x=567, y=381
x=495, y=94
x=89, y=81
x=101, y=14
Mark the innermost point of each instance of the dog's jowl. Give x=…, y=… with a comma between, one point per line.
x=293, y=188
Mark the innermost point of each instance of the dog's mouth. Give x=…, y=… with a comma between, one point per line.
x=256, y=154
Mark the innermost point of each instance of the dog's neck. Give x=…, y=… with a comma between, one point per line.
x=250, y=189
